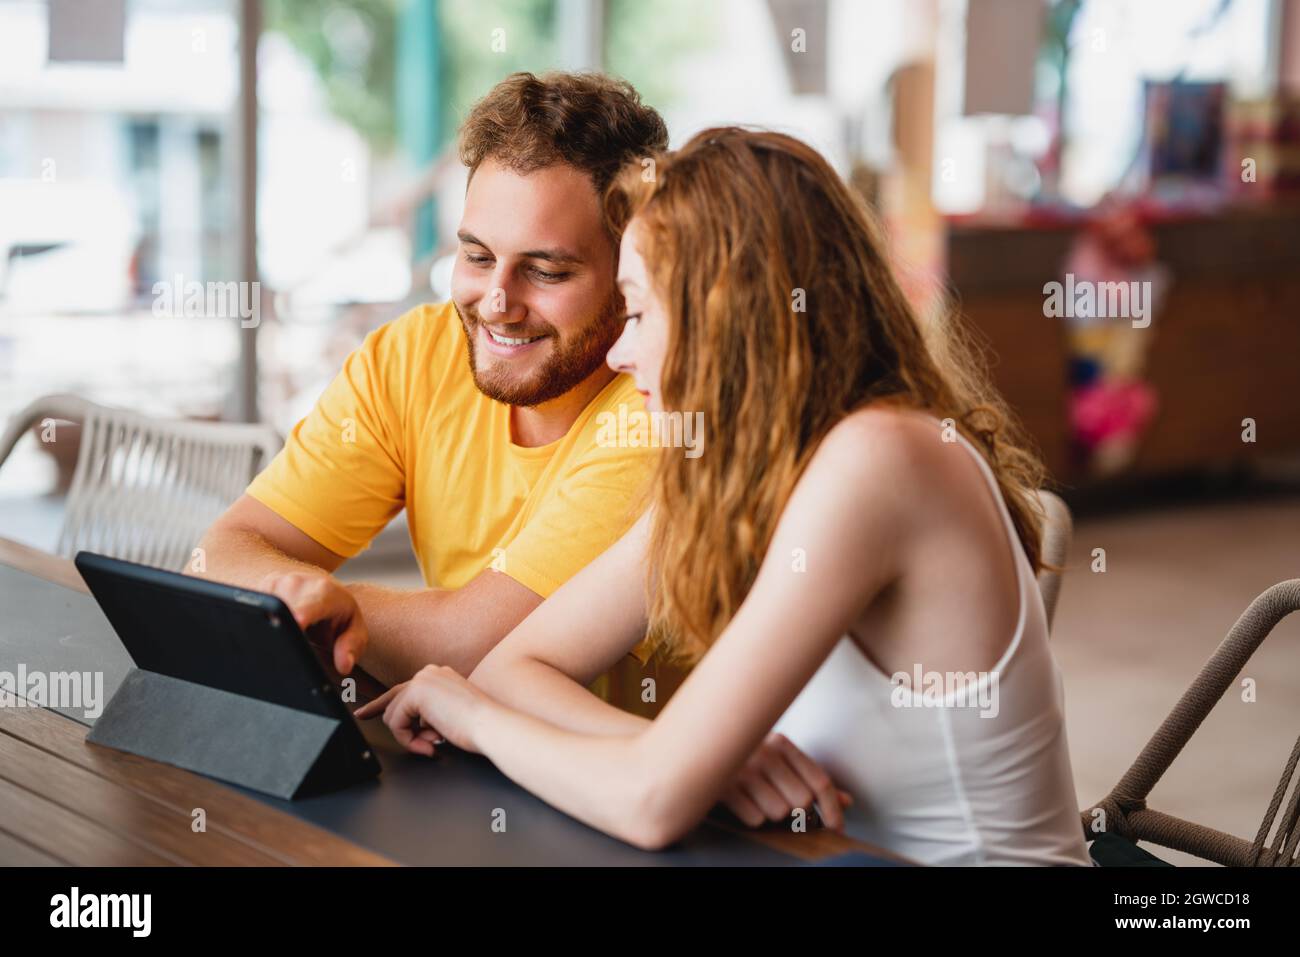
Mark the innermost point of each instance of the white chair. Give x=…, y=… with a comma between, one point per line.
x=1058, y=530
x=145, y=489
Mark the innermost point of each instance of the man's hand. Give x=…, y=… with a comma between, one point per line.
x=325, y=611
x=778, y=778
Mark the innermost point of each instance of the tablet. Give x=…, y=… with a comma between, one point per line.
x=235, y=642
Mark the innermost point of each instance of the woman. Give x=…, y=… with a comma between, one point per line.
x=861, y=510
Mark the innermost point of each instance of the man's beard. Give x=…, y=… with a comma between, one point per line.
x=568, y=364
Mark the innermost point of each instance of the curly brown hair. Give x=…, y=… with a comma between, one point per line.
x=593, y=122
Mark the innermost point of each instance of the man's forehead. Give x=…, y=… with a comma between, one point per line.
x=553, y=208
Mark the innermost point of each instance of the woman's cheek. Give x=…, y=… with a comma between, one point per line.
x=657, y=349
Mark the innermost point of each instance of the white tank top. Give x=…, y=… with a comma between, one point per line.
x=947, y=776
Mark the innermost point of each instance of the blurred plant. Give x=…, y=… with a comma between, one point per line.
x=1054, y=54
x=647, y=43
x=644, y=43
x=351, y=44
x=471, y=65
x=1053, y=73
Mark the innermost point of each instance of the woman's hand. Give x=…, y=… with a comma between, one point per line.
x=778, y=778
x=437, y=704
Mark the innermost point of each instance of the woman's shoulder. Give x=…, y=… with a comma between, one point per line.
x=903, y=464
x=884, y=441
x=859, y=507
x=868, y=476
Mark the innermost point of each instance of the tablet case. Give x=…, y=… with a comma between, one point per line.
x=225, y=684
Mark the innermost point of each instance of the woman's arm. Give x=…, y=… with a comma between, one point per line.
x=592, y=621
x=542, y=669
x=848, y=516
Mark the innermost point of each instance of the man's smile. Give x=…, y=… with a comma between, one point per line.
x=503, y=345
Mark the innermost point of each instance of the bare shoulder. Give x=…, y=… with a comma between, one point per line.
x=933, y=478
x=862, y=503
x=891, y=468
x=882, y=445
x=869, y=476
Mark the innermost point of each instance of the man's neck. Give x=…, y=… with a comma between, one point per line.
x=543, y=424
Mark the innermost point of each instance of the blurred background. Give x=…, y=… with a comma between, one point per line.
x=308, y=145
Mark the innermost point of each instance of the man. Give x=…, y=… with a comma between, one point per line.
x=478, y=416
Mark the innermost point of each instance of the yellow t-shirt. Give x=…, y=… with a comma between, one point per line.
x=403, y=424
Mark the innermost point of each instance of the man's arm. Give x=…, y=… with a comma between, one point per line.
x=453, y=627
x=249, y=542
x=391, y=633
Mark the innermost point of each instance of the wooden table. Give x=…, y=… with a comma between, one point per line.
x=63, y=801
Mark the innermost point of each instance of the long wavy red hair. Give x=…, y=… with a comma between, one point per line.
x=738, y=228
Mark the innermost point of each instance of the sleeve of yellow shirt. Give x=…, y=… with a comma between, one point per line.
x=340, y=476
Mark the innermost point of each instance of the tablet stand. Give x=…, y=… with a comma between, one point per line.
x=267, y=747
